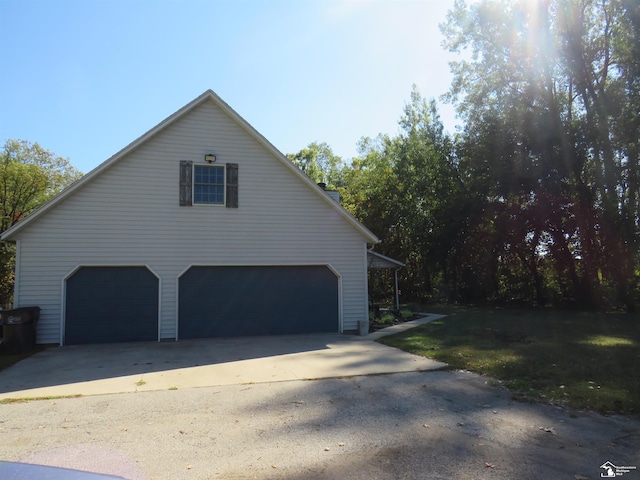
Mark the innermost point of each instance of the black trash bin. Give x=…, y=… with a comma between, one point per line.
x=19, y=329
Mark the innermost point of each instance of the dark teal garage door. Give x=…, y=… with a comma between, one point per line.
x=257, y=300
x=111, y=304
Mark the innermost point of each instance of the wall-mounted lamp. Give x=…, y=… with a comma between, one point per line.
x=210, y=158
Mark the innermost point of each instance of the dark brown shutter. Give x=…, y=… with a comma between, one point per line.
x=186, y=174
x=232, y=185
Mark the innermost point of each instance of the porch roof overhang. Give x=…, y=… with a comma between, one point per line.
x=377, y=260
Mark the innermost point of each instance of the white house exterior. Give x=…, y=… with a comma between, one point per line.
x=130, y=252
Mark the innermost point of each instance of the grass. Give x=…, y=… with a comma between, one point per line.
x=8, y=401
x=582, y=360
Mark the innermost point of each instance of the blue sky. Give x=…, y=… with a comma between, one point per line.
x=86, y=78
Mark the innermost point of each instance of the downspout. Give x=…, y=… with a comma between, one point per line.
x=363, y=325
x=395, y=273
x=16, y=274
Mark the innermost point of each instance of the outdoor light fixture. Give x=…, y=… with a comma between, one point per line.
x=210, y=158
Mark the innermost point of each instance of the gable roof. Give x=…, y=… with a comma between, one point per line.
x=209, y=95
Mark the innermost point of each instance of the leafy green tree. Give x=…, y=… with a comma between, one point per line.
x=370, y=193
x=29, y=176
x=431, y=197
x=550, y=100
x=320, y=164
x=371, y=186
x=407, y=190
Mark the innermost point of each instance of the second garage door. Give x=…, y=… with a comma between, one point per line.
x=257, y=300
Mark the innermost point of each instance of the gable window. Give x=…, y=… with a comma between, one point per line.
x=208, y=184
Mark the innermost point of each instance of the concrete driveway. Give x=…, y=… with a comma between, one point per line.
x=131, y=367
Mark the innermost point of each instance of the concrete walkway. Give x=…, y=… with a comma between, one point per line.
x=135, y=367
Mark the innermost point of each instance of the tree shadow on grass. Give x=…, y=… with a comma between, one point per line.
x=579, y=359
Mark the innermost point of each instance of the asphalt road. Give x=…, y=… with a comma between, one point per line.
x=421, y=425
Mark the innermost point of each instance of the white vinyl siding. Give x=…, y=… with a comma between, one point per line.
x=130, y=214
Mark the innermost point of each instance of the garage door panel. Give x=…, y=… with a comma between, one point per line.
x=111, y=304
x=234, y=301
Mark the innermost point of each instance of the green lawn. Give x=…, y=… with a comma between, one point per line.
x=583, y=360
